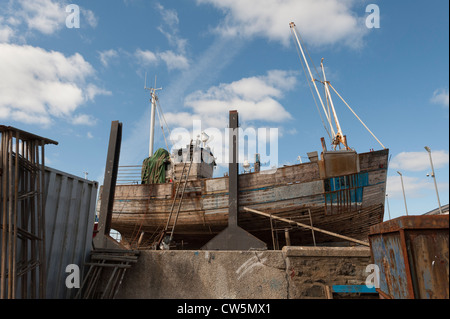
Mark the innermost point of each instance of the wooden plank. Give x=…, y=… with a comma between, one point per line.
x=308, y=227
x=108, y=265
x=114, y=257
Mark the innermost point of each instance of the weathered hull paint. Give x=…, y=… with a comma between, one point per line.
x=347, y=205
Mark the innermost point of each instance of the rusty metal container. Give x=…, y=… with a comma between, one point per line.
x=412, y=255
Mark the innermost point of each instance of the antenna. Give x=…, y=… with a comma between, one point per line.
x=153, y=100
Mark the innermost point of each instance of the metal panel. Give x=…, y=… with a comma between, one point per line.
x=70, y=216
x=341, y=163
x=387, y=254
x=412, y=254
x=429, y=262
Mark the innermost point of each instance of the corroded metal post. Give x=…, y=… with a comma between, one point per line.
x=234, y=237
x=233, y=168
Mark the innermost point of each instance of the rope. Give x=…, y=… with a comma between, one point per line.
x=153, y=168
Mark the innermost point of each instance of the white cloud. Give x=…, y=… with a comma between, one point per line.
x=320, y=22
x=254, y=98
x=414, y=187
x=146, y=57
x=6, y=32
x=38, y=85
x=107, y=56
x=171, y=21
x=84, y=119
x=419, y=161
x=170, y=16
x=91, y=91
x=44, y=16
x=89, y=17
x=440, y=96
x=171, y=59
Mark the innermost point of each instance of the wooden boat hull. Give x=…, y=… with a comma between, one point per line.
x=346, y=204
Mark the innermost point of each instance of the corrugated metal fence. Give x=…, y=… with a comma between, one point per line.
x=69, y=217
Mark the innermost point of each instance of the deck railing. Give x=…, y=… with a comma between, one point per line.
x=129, y=175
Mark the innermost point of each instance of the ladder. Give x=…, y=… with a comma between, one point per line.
x=165, y=240
x=110, y=264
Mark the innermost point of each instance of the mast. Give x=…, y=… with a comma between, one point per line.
x=292, y=25
x=153, y=100
x=338, y=137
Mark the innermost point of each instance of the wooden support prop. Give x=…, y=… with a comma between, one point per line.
x=312, y=229
x=103, y=239
x=308, y=227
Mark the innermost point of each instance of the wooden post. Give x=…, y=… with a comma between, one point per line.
x=286, y=235
x=312, y=230
x=103, y=240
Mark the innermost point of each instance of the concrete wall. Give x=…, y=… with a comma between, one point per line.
x=294, y=272
x=311, y=269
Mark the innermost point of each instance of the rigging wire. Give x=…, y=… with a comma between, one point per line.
x=319, y=76
x=357, y=116
x=164, y=119
x=162, y=127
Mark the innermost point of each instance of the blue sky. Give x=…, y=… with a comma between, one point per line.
x=210, y=56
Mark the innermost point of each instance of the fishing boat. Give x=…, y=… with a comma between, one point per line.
x=178, y=204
